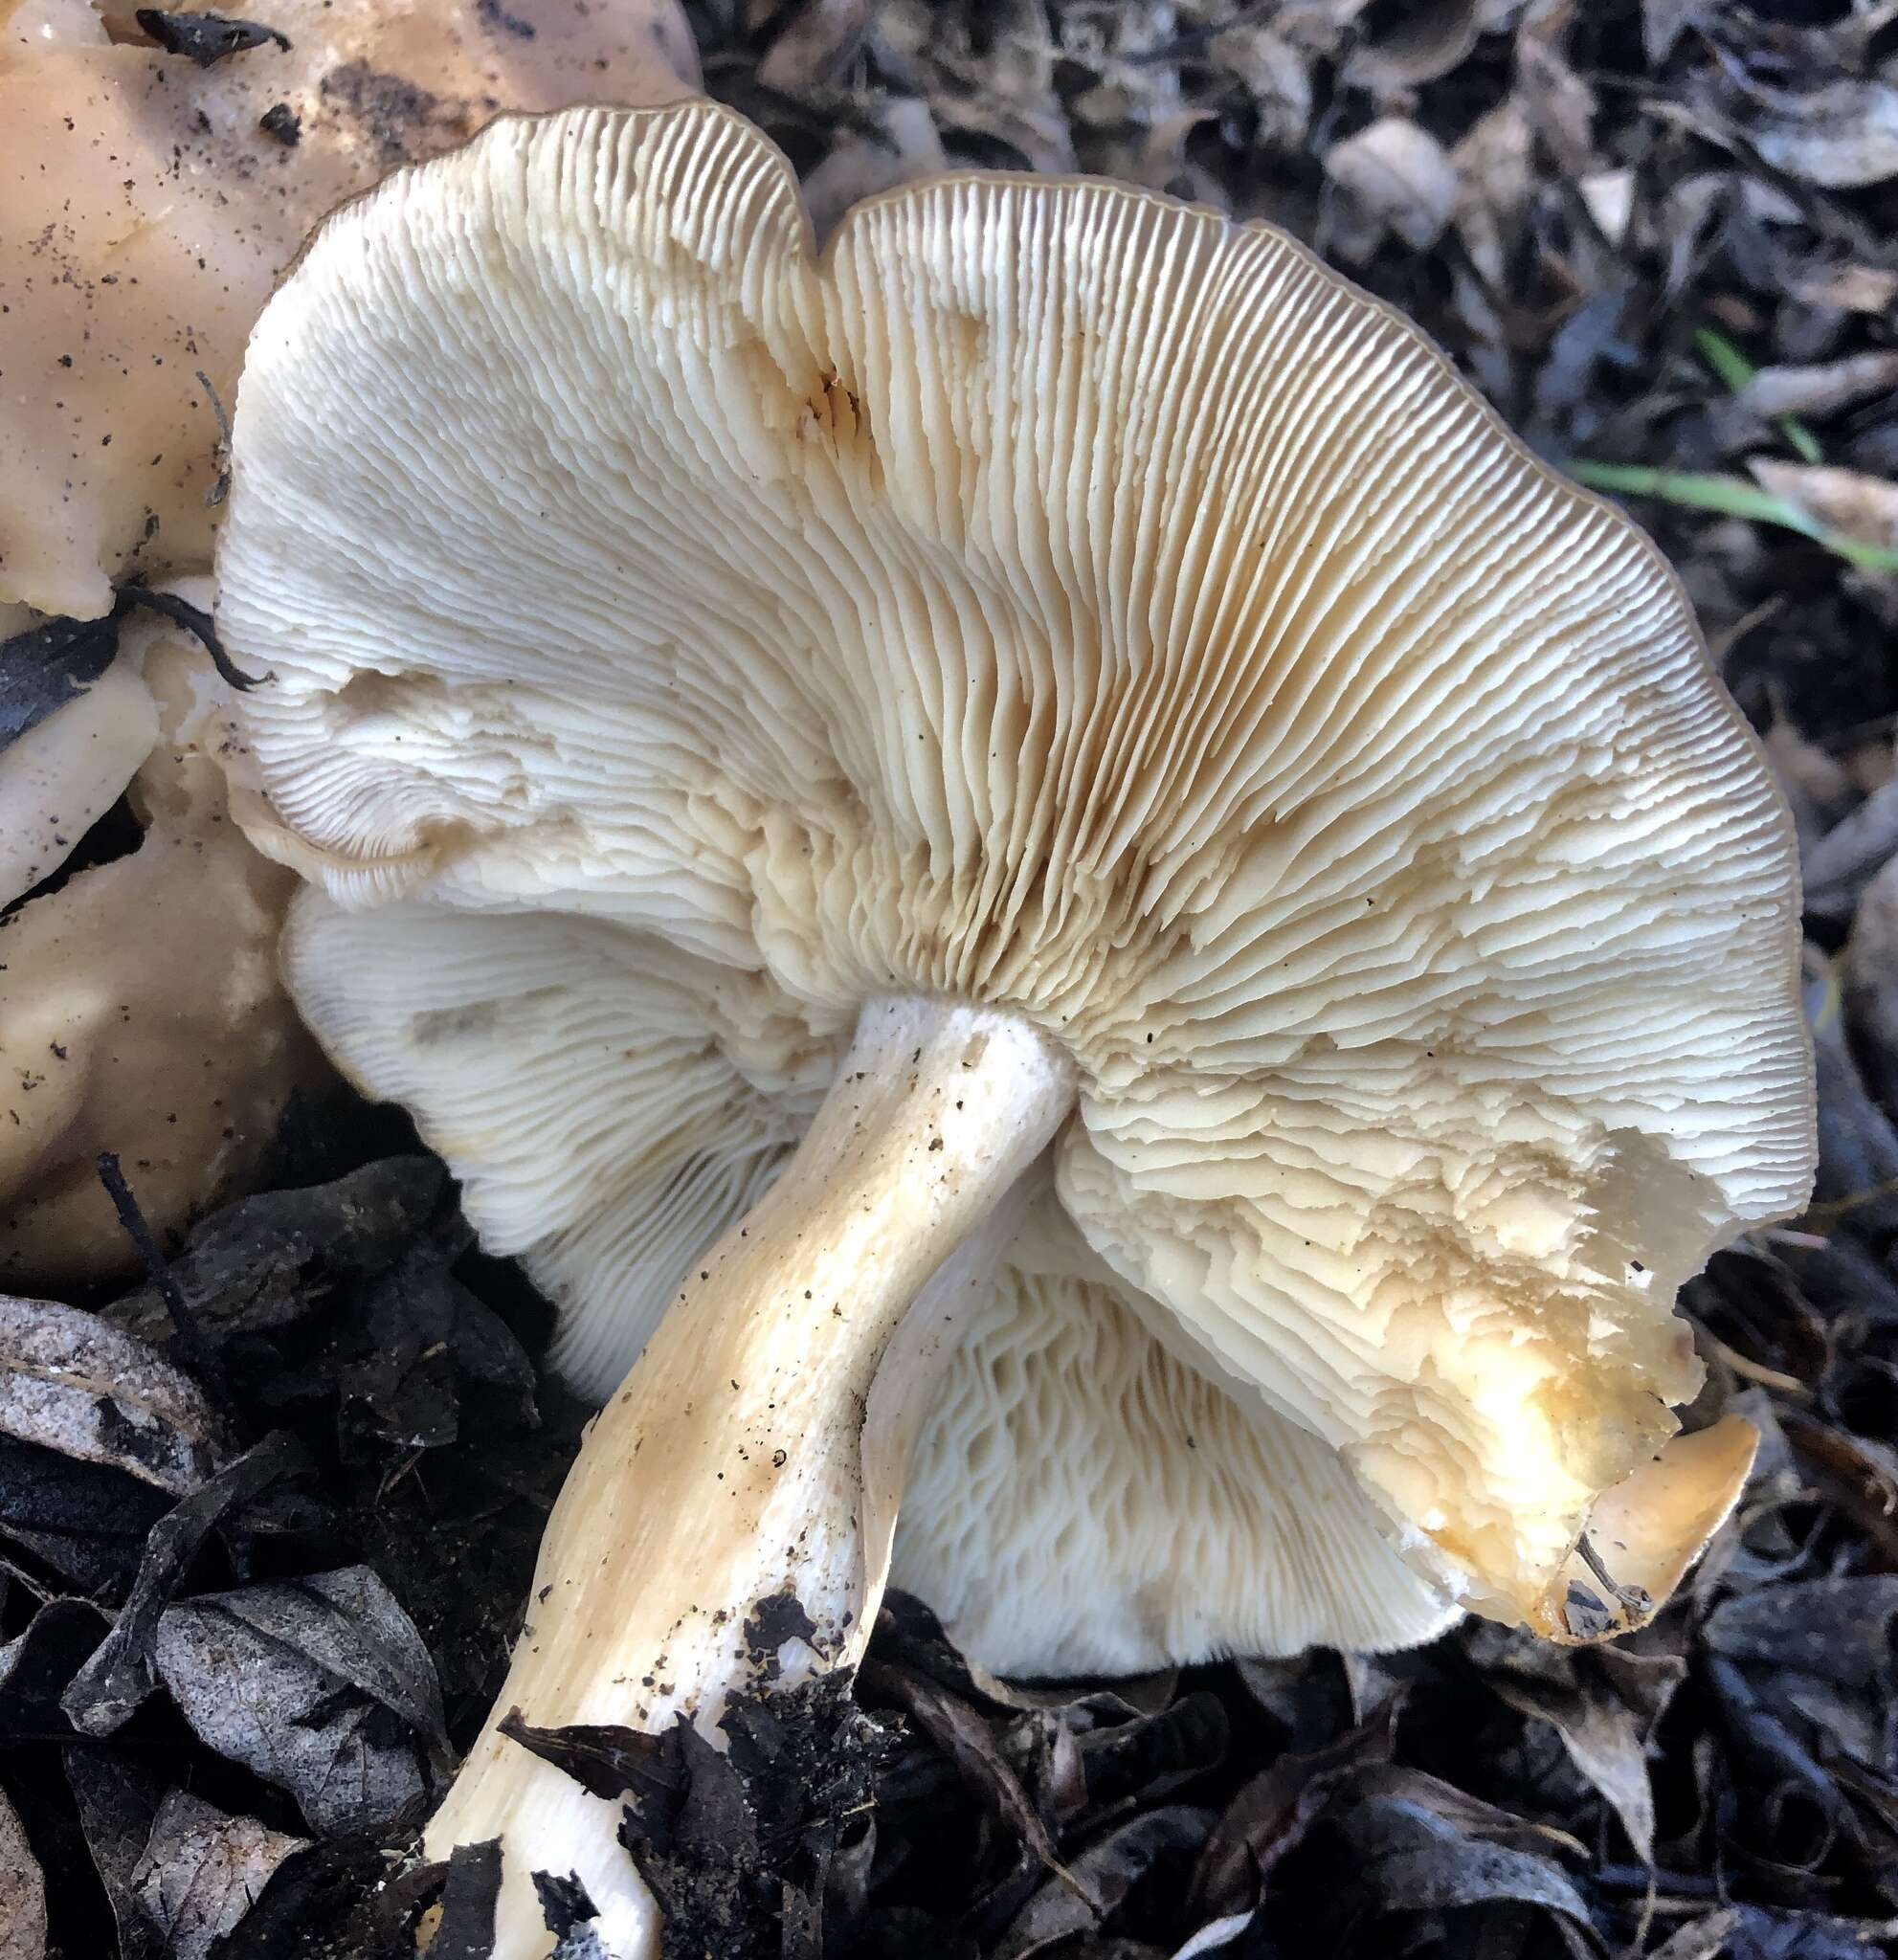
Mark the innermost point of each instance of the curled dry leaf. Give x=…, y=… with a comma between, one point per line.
x=1493, y=185
x=816, y=45
x=1822, y=389
x=73, y=1383
x=119, y=1676
x=1603, y=1704
x=1394, y=178
x=1850, y=288
x=1276, y=77
x=1859, y=507
x=861, y=167
x=1421, y=43
x=321, y=1685
x=1101, y=1878
x=1419, y=1845
x=1841, y=137
x=1842, y=863
x=1871, y=981
x=36, y=1664
x=203, y=1871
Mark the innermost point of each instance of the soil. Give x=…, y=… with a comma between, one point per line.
x=1663, y=238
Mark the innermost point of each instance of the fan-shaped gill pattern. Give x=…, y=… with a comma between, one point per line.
x=613, y=1107
x=1058, y=596
x=1078, y=1479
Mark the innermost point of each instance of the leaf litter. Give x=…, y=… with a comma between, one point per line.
x=1659, y=235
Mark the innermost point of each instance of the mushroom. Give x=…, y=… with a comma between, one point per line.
x=141, y=1010
x=148, y=206
x=1059, y=703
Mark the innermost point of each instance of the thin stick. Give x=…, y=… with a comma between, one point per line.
x=191, y=1329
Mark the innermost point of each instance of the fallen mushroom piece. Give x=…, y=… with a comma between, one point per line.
x=141, y=1010
x=148, y=208
x=1092, y=645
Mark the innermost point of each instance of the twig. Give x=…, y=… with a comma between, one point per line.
x=191, y=1329
x=1633, y=1599
x=198, y=623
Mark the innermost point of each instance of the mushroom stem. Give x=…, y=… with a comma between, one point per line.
x=730, y=1468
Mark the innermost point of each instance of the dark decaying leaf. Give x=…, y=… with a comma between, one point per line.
x=206, y=39
x=36, y=1666
x=74, y=1384
x=736, y=1844
x=565, y=1904
x=1102, y=1875
x=1603, y=1704
x=971, y=1745
x=1152, y=1755
x=117, y=1800
x=202, y=1871
x=1807, y=1680
x=466, y=1929
x=1270, y=1814
x=22, y=1891
x=1417, y=1845
x=320, y=1686
x=422, y=1324
x=119, y=1676
x=86, y=1522
x=267, y=1261
x=50, y=665
x=47, y=666
x=610, y=1761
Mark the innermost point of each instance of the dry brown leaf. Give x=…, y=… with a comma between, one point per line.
x=203, y=1871
x=1856, y=506
x=1822, y=389
x=1850, y=289
x=1394, y=178
x=862, y=166
x=1559, y=103
x=817, y=46
x=73, y=1383
x=1276, y=77
x=1425, y=42
x=1810, y=779
x=1662, y=23
x=1841, y=137
x=1842, y=862
x=1609, y=197
x=22, y=1892
x=1493, y=184
x=1870, y=968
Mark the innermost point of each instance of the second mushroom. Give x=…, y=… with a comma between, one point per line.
x=1045, y=783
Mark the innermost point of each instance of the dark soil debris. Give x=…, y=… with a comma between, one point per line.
x=206, y=39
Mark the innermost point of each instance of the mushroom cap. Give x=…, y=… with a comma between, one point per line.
x=141, y=1009
x=146, y=216
x=1060, y=597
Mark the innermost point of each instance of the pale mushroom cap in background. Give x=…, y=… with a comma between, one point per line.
x=146, y=217
x=141, y=1007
